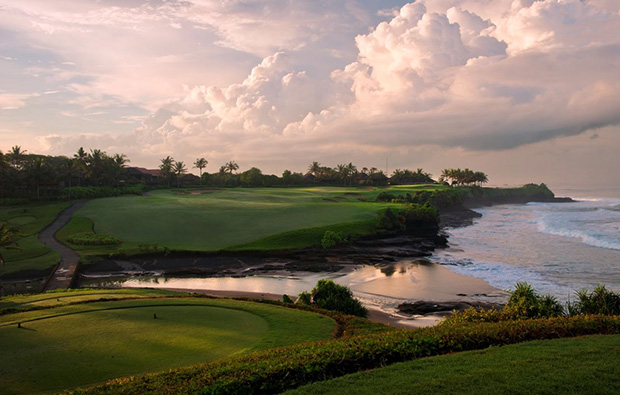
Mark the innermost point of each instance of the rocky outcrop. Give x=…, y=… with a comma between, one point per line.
x=430, y=307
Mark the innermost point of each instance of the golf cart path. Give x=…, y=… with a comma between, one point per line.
x=65, y=270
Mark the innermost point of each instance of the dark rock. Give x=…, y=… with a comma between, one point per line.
x=429, y=307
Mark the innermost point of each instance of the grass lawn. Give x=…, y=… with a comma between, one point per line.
x=238, y=218
x=69, y=345
x=585, y=365
x=30, y=220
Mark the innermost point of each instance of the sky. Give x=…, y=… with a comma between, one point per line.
x=527, y=91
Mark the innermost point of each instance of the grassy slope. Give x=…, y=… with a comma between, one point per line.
x=30, y=220
x=232, y=217
x=71, y=345
x=582, y=365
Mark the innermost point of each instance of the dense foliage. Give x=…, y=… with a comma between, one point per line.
x=330, y=296
x=526, y=303
x=92, y=239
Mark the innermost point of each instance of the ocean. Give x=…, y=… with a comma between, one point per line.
x=559, y=248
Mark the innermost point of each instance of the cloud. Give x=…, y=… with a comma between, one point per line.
x=13, y=101
x=456, y=79
x=471, y=75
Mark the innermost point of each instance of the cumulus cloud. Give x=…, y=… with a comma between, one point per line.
x=452, y=77
x=471, y=74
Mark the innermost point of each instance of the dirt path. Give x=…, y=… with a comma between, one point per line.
x=65, y=270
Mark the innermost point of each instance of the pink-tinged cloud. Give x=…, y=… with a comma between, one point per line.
x=463, y=75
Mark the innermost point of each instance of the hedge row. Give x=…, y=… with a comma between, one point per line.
x=277, y=370
x=99, y=192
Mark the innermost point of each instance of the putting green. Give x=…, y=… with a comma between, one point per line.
x=79, y=345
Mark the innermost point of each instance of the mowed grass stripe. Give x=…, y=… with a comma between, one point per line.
x=82, y=344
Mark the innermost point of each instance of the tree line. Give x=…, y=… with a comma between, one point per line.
x=25, y=175
x=463, y=177
x=34, y=176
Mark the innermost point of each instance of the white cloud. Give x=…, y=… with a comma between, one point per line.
x=438, y=75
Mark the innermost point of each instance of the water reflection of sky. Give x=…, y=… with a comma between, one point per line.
x=386, y=285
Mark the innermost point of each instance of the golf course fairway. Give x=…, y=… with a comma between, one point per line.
x=207, y=220
x=71, y=344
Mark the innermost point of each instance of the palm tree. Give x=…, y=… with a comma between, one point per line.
x=95, y=161
x=4, y=169
x=314, y=168
x=16, y=157
x=37, y=172
x=166, y=168
x=69, y=169
x=179, y=169
x=80, y=158
x=231, y=167
x=200, y=164
x=351, y=170
x=343, y=172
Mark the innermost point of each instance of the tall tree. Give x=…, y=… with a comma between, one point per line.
x=17, y=157
x=166, y=168
x=80, y=158
x=314, y=168
x=200, y=164
x=231, y=167
x=69, y=169
x=37, y=172
x=179, y=169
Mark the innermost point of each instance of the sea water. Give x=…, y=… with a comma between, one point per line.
x=559, y=248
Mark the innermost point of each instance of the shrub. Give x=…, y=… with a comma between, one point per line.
x=599, y=301
x=524, y=303
x=304, y=298
x=287, y=299
x=388, y=220
x=99, y=192
x=331, y=296
x=92, y=239
x=385, y=197
x=416, y=213
x=332, y=239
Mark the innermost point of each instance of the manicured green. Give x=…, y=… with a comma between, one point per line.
x=587, y=365
x=233, y=218
x=76, y=344
x=277, y=370
x=31, y=254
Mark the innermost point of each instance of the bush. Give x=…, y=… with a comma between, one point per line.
x=388, y=220
x=304, y=299
x=524, y=303
x=92, y=239
x=417, y=213
x=332, y=239
x=331, y=296
x=599, y=301
x=385, y=197
x=99, y=192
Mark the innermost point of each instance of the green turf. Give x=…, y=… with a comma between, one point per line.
x=233, y=218
x=219, y=220
x=70, y=345
x=31, y=254
x=587, y=365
